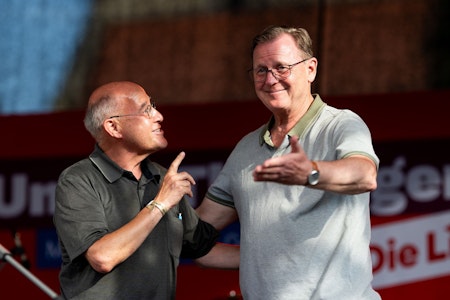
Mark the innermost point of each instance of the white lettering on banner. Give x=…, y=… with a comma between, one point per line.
x=38, y=198
x=421, y=183
x=413, y=250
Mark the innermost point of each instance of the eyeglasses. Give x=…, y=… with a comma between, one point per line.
x=150, y=111
x=280, y=72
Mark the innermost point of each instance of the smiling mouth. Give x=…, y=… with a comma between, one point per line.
x=275, y=91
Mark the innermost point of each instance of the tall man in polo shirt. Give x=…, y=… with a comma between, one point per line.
x=300, y=184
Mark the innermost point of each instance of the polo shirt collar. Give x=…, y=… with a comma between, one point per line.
x=113, y=172
x=299, y=128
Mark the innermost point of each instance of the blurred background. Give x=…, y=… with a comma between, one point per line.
x=387, y=60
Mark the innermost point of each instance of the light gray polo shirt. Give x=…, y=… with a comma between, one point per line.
x=299, y=243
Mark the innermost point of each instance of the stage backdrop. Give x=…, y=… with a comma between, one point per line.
x=410, y=209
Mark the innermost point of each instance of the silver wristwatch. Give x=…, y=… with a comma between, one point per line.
x=313, y=177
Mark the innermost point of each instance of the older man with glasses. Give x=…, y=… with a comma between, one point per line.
x=300, y=184
x=122, y=220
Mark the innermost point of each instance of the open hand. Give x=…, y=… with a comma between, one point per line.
x=292, y=168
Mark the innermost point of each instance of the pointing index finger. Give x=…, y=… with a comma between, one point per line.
x=176, y=162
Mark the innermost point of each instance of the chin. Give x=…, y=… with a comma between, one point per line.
x=164, y=144
x=158, y=145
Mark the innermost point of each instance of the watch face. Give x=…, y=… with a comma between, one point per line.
x=313, y=178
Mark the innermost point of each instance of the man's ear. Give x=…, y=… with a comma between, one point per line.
x=112, y=128
x=312, y=69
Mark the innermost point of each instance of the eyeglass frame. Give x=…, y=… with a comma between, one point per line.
x=271, y=70
x=150, y=111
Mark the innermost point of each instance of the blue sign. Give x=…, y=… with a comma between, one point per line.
x=48, y=251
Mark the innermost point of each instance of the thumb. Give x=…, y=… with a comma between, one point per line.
x=176, y=163
x=295, y=147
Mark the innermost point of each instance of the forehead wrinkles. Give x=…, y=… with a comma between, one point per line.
x=282, y=49
x=129, y=101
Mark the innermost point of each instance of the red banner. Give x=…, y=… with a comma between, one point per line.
x=410, y=208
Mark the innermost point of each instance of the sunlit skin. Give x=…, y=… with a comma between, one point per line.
x=134, y=137
x=287, y=99
x=145, y=136
x=129, y=135
x=283, y=75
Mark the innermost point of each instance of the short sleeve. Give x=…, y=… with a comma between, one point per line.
x=79, y=216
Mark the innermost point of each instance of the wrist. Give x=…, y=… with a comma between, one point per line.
x=313, y=177
x=152, y=204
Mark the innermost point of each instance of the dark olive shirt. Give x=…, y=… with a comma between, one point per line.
x=95, y=197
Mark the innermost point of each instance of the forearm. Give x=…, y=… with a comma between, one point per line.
x=117, y=246
x=221, y=256
x=351, y=175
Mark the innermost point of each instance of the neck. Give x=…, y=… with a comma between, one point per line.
x=126, y=160
x=286, y=119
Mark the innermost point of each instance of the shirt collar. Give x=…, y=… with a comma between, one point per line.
x=112, y=172
x=299, y=128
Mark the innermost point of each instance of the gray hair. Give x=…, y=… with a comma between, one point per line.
x=96, y=113
x=300, y=35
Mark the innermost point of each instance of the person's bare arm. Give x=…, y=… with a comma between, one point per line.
x=117, y=246
x=351, y=175
x=216, y=214
x=221, y=256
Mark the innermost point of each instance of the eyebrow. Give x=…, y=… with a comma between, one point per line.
x=276, y=64
x=145, y=105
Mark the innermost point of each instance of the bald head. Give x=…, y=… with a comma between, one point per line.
x=105, y=100
x=113, y=90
